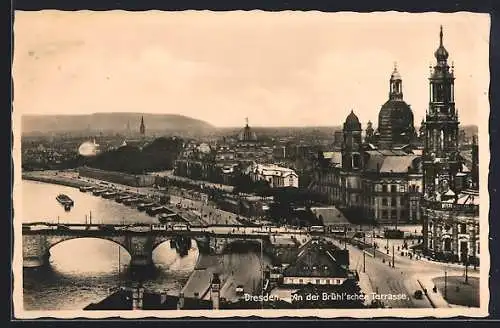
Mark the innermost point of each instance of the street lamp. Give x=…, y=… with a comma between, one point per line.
x=364, y=254
x=393, y=255
x=445, y=284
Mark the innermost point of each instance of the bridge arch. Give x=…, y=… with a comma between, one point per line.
x=53, y=241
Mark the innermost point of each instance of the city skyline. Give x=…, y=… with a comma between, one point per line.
x=241, y=73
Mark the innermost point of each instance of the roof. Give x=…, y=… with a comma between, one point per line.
x=328, y=154
x=397, y=164
x=389, y=161
x=282, y=241
x=468, y=198
x=334, y=157
x=273, y=170
x=315, y=261
x=352, y=122
x=329, y=215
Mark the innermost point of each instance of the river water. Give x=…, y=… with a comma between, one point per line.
x=83, y=270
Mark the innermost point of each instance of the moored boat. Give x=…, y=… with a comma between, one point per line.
x=86, y=188
x=108, y=194
x=165, y=217
x=98, y=192
x=121, y=197
x=144, y=206
x=131, y=201
x=155, y=210
x=65, y=200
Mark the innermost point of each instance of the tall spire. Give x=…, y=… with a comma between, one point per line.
x=142, y=129
x=441, y=36
x=441, y=53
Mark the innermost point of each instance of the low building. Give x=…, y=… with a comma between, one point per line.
x=317, y=265
x=451, y=231
x=275, y=175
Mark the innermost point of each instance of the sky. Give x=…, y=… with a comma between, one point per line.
x=277, y=69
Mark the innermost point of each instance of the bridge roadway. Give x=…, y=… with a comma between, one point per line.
x=40, y=228
x=141, y=239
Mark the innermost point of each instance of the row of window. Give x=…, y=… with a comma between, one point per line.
x=462, y=228
x=391, y=187
x=327, y=281
x=447, y=245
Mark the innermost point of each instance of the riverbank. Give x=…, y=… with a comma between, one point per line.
x=53, y=178
x=197, y=212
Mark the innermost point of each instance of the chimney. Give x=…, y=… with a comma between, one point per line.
x=180, y=302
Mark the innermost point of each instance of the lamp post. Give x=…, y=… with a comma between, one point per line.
x=445, y=284
x=373, y=239
x=364, y=253
x=393, y=255
x=474, y=245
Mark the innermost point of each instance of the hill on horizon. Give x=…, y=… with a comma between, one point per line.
x=112, y=122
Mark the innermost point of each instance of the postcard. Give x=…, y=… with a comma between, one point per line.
x=236, y=164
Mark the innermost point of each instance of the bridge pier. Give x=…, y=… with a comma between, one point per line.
x=35, y=251
x=141, y=260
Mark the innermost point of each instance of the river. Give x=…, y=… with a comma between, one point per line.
x=82, y=271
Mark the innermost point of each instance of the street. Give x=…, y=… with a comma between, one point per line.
x=404, y=277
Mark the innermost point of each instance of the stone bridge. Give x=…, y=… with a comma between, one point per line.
x=139, y=240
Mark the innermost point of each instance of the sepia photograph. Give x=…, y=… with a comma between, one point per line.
x=236, y=164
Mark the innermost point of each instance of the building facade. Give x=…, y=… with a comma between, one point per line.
x=378, y=179
x=276, y=176
x=450, y=199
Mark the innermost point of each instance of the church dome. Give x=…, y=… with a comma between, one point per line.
x=352, y=122
x=247, y=134
x=395, y=124
x=441, y=53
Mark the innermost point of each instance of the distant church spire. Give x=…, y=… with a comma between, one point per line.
x=142, y=129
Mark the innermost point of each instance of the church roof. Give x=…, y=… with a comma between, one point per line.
x=352, y=122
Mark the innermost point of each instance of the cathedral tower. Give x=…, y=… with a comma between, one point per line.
x=441, y=160
x=351, y=145
x=369, y=133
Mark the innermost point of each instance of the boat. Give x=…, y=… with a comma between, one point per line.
x=165, y=217
x=165, y=199
x=130, y=200
x=144, y=206
x=65, y=200
x=152, y=211
x=121, y=197
x=86, y=188
x=108, y=194
x=98, y=192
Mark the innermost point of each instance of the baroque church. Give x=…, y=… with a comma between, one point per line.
x=381, y=178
